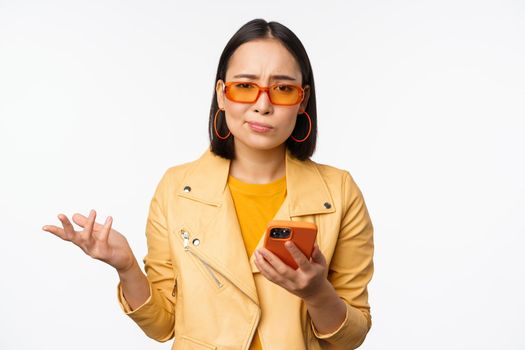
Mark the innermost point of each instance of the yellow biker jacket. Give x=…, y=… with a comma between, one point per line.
x=208, y=294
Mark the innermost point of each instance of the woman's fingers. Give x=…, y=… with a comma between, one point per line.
x=95, y=239
x=82, y=220
x=104, y=232
x=266, y=268
x=275, y=261
x=91, y=229
x=57, y=231
x=317, y=255
x=298, y=256
x=69, y=230
x=66, y=233
x=88, y=227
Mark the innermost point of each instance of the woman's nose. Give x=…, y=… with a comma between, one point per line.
x=263, y=103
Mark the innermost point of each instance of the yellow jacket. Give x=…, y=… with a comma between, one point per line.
x=206, y=292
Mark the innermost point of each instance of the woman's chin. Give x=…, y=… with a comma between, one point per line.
x=261, y=144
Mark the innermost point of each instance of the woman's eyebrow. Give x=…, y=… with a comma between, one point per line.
x=272, y=77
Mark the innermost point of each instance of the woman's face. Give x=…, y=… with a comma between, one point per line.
x=261, y=125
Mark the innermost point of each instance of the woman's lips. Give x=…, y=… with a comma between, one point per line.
x=258, y=127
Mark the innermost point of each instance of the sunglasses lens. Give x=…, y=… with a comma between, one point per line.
x=281, y=94
x=242, y=92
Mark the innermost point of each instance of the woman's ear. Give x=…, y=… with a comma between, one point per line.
x=220, y=93
x=306, y=96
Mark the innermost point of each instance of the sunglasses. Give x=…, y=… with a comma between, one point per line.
x=248, y=92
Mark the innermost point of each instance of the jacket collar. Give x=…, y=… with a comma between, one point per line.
x=307, y=192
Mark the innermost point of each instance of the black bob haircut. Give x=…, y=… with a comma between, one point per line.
x=260, y=29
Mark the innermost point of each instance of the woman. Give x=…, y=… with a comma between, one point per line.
x=210, y=282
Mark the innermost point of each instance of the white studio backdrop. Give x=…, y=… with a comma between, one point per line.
x=422, y=101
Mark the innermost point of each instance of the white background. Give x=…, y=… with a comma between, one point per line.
x=422, y=101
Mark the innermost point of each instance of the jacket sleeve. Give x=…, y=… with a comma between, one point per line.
x=351, y=269
x=156, y=315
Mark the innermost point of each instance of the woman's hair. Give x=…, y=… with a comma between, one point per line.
x=258, y=29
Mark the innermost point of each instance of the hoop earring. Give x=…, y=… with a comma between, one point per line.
x=215, y=126
x=309, y=128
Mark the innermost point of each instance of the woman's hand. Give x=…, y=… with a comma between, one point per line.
x=98, y=241
x=307, y=281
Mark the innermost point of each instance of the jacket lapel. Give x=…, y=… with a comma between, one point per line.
x=224, y=248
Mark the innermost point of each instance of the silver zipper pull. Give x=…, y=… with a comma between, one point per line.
x=186, y=238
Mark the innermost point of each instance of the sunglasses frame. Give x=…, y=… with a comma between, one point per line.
x=263, y=89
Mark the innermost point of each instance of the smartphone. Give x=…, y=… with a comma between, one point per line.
x=301, y=233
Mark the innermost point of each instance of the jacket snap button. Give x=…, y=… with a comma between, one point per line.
x=187, y=188
x=196, y=241
x=327, y=205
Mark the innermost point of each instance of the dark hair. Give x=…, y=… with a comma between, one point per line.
x=257, y=29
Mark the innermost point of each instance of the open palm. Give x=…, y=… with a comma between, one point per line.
x=99, y=241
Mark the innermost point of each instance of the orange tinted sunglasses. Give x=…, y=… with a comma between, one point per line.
x=279, y=94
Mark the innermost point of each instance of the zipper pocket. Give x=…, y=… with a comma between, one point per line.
x=210, y=271
x=186, y=244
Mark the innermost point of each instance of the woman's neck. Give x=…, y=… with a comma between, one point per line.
x=258, y=166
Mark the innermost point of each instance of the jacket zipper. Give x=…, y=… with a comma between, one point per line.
x=186, y=244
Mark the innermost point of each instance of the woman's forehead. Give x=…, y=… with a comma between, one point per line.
x=263, y=59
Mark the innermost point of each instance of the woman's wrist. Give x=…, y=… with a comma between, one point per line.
x=327, y=310
x=127, y=272
x=135, y=285
x=325, y=294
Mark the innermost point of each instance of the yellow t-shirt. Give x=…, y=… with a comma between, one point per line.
x=256, y=205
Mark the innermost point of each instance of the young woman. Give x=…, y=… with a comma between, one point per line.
x=209, y=282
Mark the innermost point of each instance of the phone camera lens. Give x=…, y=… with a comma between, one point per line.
x=279, y=232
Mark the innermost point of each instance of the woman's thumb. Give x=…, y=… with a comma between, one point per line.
x=317, y=256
